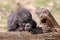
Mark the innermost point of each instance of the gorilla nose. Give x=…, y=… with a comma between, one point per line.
x=28, y=25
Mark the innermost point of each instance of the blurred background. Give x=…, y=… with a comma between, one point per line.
x=6, y=6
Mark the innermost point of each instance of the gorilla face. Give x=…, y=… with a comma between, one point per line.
x=27, y=26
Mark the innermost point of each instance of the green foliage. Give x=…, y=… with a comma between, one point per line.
x=1, y=5
x=7, y=6
x=42, y=2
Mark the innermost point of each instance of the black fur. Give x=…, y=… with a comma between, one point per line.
x=17, y=20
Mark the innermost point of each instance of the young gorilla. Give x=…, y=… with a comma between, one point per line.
x=21, y=20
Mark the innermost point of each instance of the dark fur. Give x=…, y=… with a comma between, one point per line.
x=37, y=30
x=16, y=19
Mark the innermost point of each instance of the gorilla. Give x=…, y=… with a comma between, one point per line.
x=21, y=20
